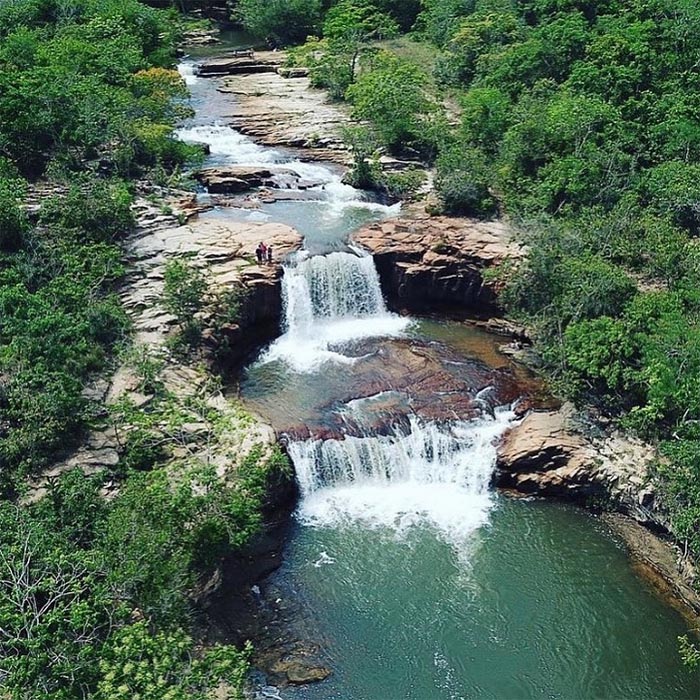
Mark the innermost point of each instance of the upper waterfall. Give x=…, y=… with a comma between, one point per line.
x=332, y=287
x=330, y=300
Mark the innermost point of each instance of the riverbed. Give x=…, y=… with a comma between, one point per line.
x=417, y=579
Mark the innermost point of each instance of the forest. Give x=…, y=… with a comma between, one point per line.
x=575, y=121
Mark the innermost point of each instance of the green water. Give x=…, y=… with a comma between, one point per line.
x=543, y=605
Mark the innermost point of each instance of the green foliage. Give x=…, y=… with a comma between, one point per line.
x=184, y=289
x=75, y=567
x=690, y=653
x=95, y=210
x=13, y=223
x=462, y=181
x=183, y=296
x=55, y=608
x=139, y=664
x=392, y=96
x=89, y=87
x=281, y=21
x=403, y=184
x=363, y=144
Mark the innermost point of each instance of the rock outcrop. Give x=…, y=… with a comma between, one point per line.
x=259, y=62
x=559, y=454
x=554, y=453
x=225, y=251
x=430, y=262
x=235, y=179
x=282, y=111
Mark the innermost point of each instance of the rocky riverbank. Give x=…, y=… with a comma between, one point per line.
x=566, y=455
x=428, y=263
x=278, y=107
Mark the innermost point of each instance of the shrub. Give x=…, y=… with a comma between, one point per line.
x=281, y=21
x=462, y=182
x=392, y=97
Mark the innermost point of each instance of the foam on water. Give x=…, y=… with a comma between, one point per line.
x=434, y=475
x=226, y=144
x=329, y=301
x=186, y=69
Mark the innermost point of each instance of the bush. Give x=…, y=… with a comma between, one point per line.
x=462, y=182
x=97, y=210
x=281, y=21
x=392, y=97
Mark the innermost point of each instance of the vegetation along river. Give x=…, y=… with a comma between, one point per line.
x=419, y=581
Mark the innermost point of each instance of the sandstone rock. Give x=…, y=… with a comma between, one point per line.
x=285, y=111
x=424, y=262
x=560, y=453
x=233, y=179
x=300, y=672
x=260, y=62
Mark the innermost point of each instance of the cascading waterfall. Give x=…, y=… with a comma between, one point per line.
x=435, y=474
x=330, y=300
x=334, y=286
x=422, y=472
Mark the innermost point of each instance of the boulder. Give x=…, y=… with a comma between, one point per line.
x=233, y=179
x=427, y=262
x=241, y=178
x=541, y=455
x=568, y=455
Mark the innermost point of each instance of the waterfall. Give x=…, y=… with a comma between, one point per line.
x=186, y=69
x=335, y=286
x=430, y=474
x=330, y=300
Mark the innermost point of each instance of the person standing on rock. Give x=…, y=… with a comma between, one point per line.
x=269, y=255
x=263, y=251
x=259, y=253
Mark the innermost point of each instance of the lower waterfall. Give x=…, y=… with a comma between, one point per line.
x=430, y=474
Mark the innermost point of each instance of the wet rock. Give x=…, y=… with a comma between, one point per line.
x=259, y=62
x=234, y=179
x=276, y=110
x=427, y=262
x=240, y=178
x=299, y=673
x=565, y=454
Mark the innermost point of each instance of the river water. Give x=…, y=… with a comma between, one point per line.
x=419, y=581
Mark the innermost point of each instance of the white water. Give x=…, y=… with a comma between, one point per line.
x=433, y=474
x=227, y=146
x=330, y=300
x=187, y=72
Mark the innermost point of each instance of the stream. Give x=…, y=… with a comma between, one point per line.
x=416, y=578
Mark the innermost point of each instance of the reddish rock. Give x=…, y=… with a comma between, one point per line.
x=426, y=261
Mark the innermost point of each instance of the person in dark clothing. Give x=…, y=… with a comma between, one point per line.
x=269, y=255
x=259, y=253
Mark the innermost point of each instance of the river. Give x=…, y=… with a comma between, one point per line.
x=419, y=581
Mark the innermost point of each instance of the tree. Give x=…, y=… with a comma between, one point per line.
x=350, y=25
x=391, y=95
x=281, y=21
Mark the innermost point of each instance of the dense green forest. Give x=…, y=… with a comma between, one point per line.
x=95, y=592
x=579, y=122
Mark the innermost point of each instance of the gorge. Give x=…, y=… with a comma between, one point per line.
x=412, y=574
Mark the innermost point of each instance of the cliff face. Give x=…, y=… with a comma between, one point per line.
x=426, y=263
